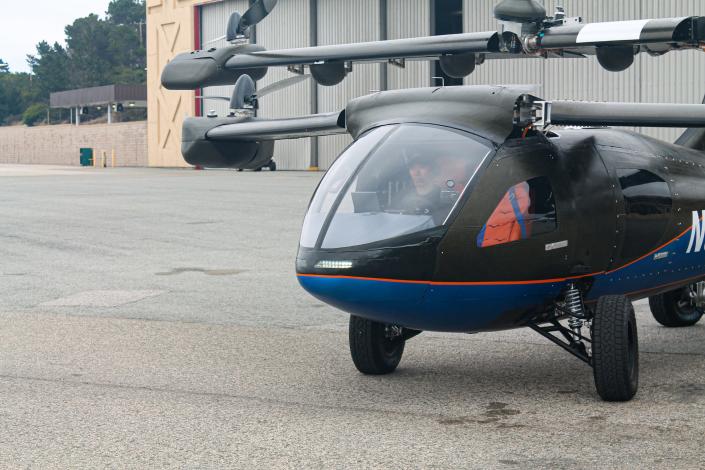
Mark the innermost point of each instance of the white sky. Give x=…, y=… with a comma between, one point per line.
x=25, y=23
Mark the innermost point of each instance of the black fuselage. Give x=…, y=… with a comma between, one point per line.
x=612, y=211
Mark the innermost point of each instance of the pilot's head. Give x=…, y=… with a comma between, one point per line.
x=423, y=175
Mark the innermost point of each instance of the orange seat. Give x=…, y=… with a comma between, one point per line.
x=508, y=221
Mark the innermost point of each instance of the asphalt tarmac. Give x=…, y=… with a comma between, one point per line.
x=151, y=318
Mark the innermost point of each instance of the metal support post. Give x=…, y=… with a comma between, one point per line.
x=313, y=41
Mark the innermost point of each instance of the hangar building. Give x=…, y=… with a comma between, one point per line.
x=180, y=25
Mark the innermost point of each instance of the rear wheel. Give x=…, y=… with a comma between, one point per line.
x=615, y=349
x=677, y=308
x=272, y=166
x=376, y=348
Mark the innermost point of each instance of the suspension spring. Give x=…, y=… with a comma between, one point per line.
x=574, y=302
x=575, y=308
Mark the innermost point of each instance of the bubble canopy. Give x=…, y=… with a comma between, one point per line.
x=393, y=181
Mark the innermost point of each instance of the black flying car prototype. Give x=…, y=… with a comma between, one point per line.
x=465, y=209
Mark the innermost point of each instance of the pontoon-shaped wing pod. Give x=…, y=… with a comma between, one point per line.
x=193, y=70
x=248, y=142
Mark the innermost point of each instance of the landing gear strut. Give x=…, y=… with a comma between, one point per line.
x=612, y=349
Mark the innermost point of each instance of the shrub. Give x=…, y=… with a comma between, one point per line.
x=34, y=114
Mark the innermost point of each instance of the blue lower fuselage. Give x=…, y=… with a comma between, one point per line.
x=478, y=306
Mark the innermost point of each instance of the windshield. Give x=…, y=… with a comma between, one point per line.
x=393, y=181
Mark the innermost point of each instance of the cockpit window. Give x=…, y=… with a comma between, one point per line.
x=527, y=209
x=333, y=182
x=409, y=181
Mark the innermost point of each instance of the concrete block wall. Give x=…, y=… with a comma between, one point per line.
x=60, y=144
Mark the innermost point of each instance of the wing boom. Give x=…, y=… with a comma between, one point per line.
x=432, y=46
x=280, y=129
x=575, y=113
x=247, y=142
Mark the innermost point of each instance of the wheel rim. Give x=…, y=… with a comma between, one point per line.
x=685, y=304
x=390, y=347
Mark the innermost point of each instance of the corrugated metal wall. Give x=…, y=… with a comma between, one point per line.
x=408, y=19
x=287, y=27
x=339, y=22
x=676, y=77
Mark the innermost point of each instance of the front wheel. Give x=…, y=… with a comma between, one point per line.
x=376, y=348
x=677, y=308
x=615, y=349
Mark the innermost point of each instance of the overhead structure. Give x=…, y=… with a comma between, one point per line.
x=524, y=31
x=112, y=97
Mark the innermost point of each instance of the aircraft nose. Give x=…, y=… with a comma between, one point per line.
x=384, y=300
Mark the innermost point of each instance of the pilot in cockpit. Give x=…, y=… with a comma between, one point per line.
x=436, y=184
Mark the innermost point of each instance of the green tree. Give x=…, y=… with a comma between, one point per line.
x=17, y=92
x=50, y=67
x=90, y=50
x=126, y=12
x=131, y=13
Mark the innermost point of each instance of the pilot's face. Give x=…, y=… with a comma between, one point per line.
x=422, y=176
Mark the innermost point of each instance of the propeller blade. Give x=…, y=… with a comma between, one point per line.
x=232, y=31
x=280, y=85
x=243, y=93
x=214, y=40
x=221, y=98
x=255, y=14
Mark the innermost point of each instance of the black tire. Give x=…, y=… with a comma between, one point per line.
x=675, y=309
x=272, y=166
x=372, y=351
x=615, y=349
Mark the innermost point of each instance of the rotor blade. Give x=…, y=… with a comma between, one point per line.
x=276, y=129
x=256, y=13
x=432, y=46
x=280, y=85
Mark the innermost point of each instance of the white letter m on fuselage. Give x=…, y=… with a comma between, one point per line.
x=697, y=234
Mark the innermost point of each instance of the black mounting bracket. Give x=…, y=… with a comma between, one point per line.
x=401, y=63
x=530, y=111
x=408, y=333
x=296, y=69
x=567, y=341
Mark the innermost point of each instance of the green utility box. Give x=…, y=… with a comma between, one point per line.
x=86, y=157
